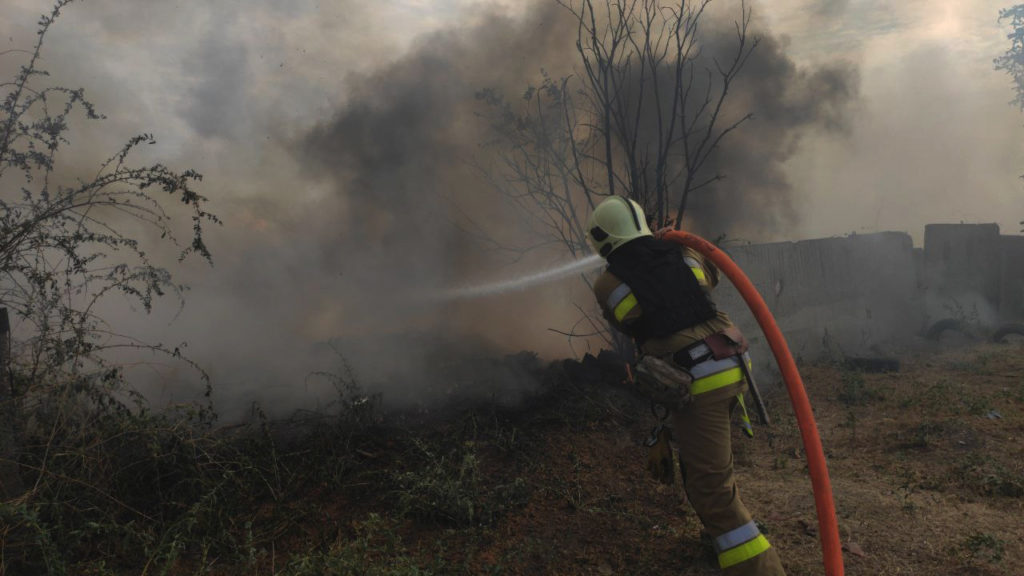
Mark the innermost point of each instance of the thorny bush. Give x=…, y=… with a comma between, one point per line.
x=62, y=245
x=94, y=467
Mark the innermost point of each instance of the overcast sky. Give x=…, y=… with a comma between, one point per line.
x=235, y=88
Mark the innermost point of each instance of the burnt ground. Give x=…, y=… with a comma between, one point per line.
x=927, y=466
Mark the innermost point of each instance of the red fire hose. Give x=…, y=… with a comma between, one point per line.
x=827, y=525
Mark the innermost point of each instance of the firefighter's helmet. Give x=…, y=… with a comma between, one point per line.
x=614, y=222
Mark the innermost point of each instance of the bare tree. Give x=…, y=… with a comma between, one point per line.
x=641, y=118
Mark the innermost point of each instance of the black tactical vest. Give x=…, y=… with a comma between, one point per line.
x=669, y=295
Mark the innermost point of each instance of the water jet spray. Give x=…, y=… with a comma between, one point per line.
x=513, y=284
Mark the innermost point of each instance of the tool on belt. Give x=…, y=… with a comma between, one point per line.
x=762, y=412
x=660, y=464
x=663, y=382
x=731, y=342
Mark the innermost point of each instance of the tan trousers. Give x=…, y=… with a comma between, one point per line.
x=703, y=434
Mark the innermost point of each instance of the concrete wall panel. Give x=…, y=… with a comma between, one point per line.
x=854, y=295
x=875, y=294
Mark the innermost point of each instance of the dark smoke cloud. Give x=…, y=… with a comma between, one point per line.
x=755, y=199
x=402, y=152
x=401, y=143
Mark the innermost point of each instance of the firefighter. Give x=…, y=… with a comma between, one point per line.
x=658, y=293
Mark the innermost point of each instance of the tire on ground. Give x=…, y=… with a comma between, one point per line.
x=1006, y=330
x=935, y=330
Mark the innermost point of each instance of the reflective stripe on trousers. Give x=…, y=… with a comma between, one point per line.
x=714, y=374
x=740, y=545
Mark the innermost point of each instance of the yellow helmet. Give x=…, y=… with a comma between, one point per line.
x=615, y=221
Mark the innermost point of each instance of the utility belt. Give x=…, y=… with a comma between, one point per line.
x=714, y=362
x=710, y=371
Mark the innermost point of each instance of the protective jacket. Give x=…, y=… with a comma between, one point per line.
x=624, y=309
x=662, y=284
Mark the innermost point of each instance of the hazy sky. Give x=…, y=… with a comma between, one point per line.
x=932, y=138
x=239, y=89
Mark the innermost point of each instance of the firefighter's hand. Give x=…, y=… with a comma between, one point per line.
x=662, y=231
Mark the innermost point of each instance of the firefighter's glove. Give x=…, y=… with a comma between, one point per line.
x=660, y=464
x=663, y=382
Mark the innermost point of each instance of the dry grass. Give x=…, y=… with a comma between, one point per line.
x=928, y=472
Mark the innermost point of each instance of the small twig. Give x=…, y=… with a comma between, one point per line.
x=573, y=334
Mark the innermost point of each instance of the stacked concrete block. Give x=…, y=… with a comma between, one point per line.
x=1011, y=286
x=962, y=272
